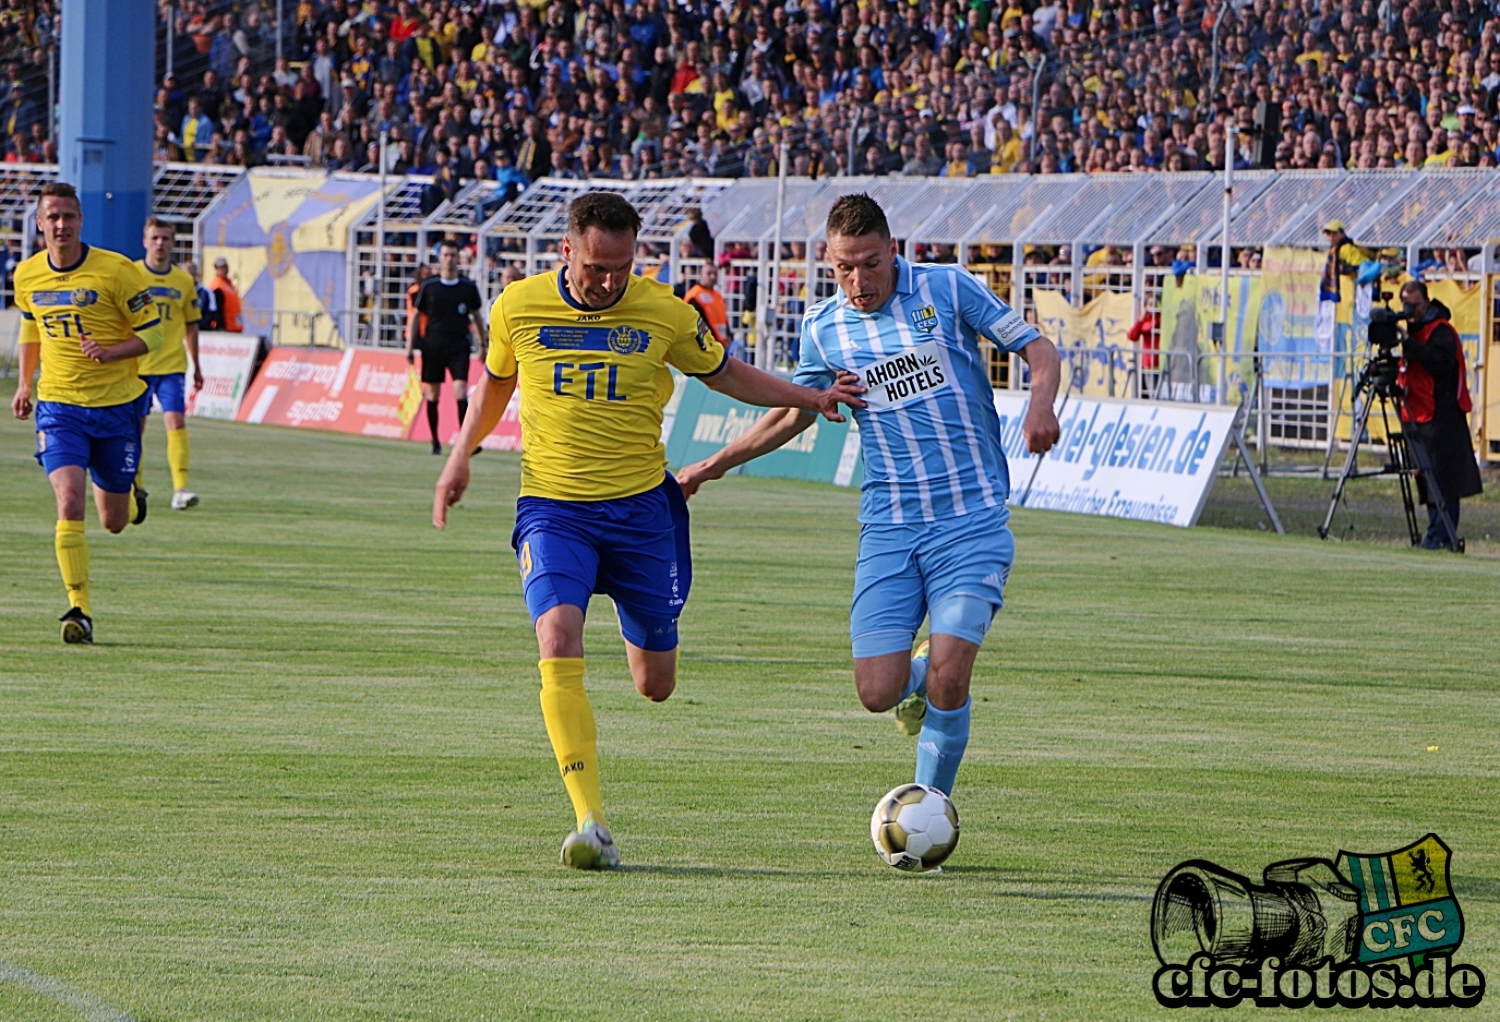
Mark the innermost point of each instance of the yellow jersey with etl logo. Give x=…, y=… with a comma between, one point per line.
x=593, y=382
x=175, y=296
x=104, y=297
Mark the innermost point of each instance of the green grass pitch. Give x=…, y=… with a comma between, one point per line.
x=303, y=773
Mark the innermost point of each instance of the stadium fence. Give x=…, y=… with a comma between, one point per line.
x=1023, y=235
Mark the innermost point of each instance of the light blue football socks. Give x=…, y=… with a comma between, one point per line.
x=916, y=684
x=940, y=746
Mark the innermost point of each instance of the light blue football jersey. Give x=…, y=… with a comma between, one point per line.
x=930, y=436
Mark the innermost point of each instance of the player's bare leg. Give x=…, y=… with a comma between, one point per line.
x=882, y=680
x=571, y=729
x=654, y=671
x=114, y=510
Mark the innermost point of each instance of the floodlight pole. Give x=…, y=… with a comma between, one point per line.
x=380, y=241
x=52, y=89
x=1224, y=251
x=1036, y=100
x=765, y=354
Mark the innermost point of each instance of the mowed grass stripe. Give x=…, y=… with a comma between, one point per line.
x=303, y=775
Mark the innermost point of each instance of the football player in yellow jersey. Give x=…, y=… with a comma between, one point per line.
x=86, y=316
x=589, y=347
x=164, y=372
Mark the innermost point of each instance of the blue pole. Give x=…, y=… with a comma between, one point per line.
x=105, y=138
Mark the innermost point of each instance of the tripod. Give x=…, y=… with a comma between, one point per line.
x=1377, y=385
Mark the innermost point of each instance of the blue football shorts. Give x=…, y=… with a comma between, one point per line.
x=106, y=441
x=904, y=570
x=632, y=549
x=168, y=389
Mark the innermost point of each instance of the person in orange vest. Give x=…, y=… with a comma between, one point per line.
x=705, y=297
x=423, y=272
x=226, y=300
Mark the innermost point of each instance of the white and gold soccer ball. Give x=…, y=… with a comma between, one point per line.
x=914, y=828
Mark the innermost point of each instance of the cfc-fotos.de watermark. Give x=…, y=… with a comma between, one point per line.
x=1365, y=931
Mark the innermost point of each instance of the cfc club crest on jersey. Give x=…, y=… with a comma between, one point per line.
x=627, y=340
x=85, y=296
x=925, y=319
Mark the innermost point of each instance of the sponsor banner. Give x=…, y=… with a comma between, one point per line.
x=227, y=360
x=507, y=435
x=358, y=390
x=700, y=421
x=1120, y=459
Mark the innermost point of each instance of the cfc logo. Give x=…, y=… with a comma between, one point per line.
x=925, y=319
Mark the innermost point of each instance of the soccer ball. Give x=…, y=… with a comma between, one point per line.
x=914, y=828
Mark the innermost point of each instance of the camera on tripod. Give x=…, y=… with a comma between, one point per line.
x=1384, y=333
x=1379, y=387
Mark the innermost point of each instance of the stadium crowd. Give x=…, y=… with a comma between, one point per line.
x=658, y=88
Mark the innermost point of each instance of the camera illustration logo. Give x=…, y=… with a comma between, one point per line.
x=1369, y=930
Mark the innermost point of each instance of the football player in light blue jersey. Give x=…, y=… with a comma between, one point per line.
x=934, y=540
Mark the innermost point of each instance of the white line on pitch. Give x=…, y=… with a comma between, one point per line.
x=90, y=1008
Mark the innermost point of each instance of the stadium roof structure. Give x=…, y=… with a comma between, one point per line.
x=1356, y=199
x=537, y=219
x=1017, y=211
x=1197, y=220
x=180, y=194
x=1414, y=210
x=1471, y=221
x=182, y=191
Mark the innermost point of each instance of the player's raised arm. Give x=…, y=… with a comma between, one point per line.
x=744, y=382
x=774, y=430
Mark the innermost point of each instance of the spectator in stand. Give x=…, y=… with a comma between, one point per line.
x=226, y=301
x=696, y=87
x=195, y=133
x=704, y=296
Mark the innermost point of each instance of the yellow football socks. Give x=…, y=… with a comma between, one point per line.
x=177, y=457
x=73, y=560
x=570, y=726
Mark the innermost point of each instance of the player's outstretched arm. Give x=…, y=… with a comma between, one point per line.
x=486, y=404
x=775, y=428
x=1040, y=428
x=744, y=382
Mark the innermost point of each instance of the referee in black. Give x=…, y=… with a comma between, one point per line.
x=446, y=305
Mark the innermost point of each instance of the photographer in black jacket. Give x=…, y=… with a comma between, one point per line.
x=1434, y=380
